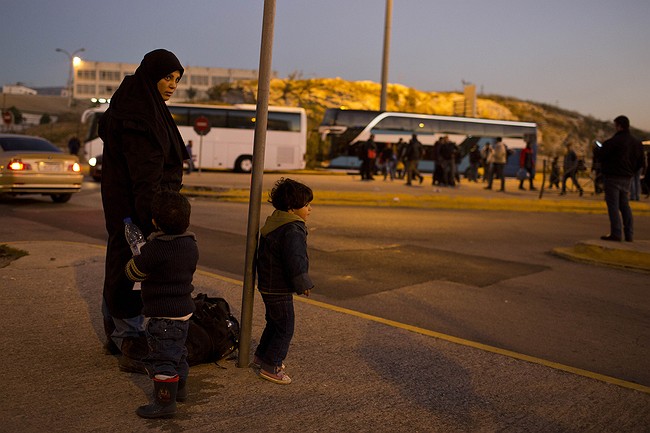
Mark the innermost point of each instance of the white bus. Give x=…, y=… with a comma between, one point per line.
x=346, y=129
x=229, y=142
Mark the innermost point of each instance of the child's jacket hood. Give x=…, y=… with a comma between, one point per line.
x=277, y=219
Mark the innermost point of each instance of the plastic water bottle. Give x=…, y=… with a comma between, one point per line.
x=133, y=235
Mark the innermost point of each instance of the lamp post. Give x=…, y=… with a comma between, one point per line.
x=71, y=61
x=386, y=53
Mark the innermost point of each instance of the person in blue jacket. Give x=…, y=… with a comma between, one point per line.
x=282, y=270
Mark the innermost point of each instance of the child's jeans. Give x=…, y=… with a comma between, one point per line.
x=168, y=354
x=275, y=340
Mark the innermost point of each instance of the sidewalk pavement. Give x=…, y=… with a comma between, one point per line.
x=352, y=372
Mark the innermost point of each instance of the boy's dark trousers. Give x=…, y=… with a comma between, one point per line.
x=168, y=354
x=277, y=335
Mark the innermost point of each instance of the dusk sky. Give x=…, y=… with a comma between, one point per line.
x=589, y=56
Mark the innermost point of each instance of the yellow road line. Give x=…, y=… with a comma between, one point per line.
x=461, y=341
x=480, y=346
x=429, y=333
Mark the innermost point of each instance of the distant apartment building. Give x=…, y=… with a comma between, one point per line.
x=99, y=80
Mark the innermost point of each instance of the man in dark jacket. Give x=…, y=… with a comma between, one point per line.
x=619, y=158
x=414, y=151
x=367, y=154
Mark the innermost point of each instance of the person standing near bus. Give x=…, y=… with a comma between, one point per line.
x=414, y=153
x=570, y=169
x=143, y=154
x=499, y=158
x=74, y=145
x=527, y=163
x=447, y=160
x=190, y=160
x=487, y=157
x=368, y=154
x=620, y=158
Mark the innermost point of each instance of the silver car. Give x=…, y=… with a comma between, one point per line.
x=33, y=165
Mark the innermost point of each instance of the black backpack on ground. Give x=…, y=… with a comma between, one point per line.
x=213, y=332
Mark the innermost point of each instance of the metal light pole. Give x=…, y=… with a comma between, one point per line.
x=384, y=65
x=71, y=71
x=259, y=145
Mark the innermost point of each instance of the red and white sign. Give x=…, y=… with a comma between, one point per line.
x=202, y=125
x=7, y=117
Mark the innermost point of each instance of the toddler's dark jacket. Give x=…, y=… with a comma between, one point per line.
x=282, y=260
x=166, y=267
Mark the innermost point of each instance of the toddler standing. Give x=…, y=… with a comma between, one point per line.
x=165, y=267
x=282, y=269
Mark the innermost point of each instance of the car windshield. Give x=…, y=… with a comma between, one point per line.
x=27, y=144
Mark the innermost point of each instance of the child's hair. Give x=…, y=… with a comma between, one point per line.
x=290, y=194
x=171, y=211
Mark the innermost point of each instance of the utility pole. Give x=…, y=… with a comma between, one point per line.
x=254, y=204
x=71, y=61
x=384, y=66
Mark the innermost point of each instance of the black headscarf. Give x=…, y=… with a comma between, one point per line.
x=138, y=99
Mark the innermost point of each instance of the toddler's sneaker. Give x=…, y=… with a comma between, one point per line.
x=257, y=363
x=279, y=377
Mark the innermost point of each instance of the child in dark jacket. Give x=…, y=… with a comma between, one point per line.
x=282, y=269
x=165, y=267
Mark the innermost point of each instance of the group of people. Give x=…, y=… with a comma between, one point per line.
x=446, y=157
x=142, y=175
x=388, y=158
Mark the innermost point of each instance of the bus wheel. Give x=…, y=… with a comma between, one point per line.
x=244, y=164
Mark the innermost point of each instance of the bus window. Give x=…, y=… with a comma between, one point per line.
x=427, y=126
x=217, y=118
x=283, y=122
x=181, y=115
x=350, y=117
x=395, y=123
x=241, y=119
x=93, y=127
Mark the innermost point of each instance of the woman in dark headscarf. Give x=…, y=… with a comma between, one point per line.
x=143, y=153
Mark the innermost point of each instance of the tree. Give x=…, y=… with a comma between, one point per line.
x=218, y=92
x=191, y=93
x=18, y=115
x=45, y=119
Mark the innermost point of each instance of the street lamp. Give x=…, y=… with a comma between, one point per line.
x=386, y=52
x=72, y=60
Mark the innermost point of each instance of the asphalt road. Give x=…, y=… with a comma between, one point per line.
x=484, y=276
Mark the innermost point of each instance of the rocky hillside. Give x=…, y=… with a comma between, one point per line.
x=556, y=126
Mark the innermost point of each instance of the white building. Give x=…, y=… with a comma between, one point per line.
x=18, y=89
x=99, y=80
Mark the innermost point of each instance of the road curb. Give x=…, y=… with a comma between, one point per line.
x=618, y=255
